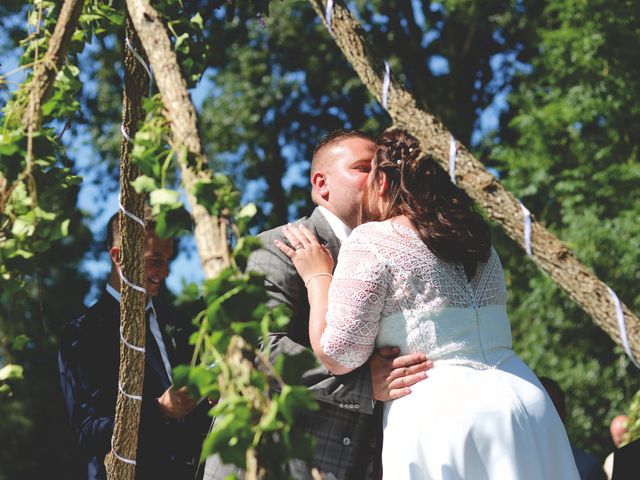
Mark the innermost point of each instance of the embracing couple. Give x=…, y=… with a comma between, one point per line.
x=396, y=262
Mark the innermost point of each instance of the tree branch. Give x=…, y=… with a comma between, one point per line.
x=209, y=230
x=44, y=72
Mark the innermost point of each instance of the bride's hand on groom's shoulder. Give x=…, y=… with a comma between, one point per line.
x=393, y=375
x=306, y=253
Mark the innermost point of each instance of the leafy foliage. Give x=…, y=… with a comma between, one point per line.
x=569, y=148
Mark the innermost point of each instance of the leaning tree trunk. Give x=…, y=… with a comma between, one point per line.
x=210, y=231
x=45, y=71
x=549, y=253
x=29, y=109
x=132, y=307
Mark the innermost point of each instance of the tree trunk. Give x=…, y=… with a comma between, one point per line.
x=133, y=303
x=210, y=232
x=549, y=253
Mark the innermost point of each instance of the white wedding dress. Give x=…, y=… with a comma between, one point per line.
x=481, y=414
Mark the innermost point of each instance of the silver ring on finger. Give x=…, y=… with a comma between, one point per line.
x=298, y=247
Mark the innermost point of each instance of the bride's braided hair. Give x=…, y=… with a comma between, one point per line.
x=442, y=212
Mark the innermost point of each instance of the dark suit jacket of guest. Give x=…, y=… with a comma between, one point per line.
x=346, y=428
x=626, y=462
x=88, y=365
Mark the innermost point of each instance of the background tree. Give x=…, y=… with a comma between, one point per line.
x=569, y=147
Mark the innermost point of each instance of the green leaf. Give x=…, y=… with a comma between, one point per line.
x=291, y=367
x=172, y=222
x=23, y=227
x=268, y=421
x=164, y=196
x=19, y=342
x=197, y=20
x=144, y=184
x=248, y=211
x=294, y=400
x=11, y=372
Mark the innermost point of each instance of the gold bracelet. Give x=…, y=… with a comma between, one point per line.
x=311, y=277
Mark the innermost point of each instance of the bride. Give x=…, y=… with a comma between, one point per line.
x=420, y=273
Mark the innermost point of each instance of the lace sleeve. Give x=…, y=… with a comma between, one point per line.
x=356, y=297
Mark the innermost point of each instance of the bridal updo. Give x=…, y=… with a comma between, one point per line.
x=419, y=188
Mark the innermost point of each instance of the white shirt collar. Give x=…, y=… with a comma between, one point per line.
x=116, y=294
x=338, y=226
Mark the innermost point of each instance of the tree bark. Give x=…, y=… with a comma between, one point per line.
x=133, y=302
x=210, y=232
x=549, y=253
x=44, y=72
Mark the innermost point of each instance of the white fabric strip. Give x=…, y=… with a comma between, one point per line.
x=138, y=57
x=122, y=459
x=327, y=15
x=125, y=134
x=130, y=345
x=132, y=285
x=622, y=327
x=527, y=228
x=133, y=217
x=128, y=395
x=453, y=155
x=386, y=84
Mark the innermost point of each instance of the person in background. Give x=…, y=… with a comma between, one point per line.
x=617, y=429
x=589, y=467
x=171, y=427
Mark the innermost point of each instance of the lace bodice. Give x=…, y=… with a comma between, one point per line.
x=390, y=289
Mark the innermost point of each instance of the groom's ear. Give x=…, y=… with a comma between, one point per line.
x=319, y=184
x=114, y=253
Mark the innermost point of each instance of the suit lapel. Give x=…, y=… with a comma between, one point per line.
x=324, y=232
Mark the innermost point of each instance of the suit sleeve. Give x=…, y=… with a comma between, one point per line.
x=84, y=388
x=285, y=286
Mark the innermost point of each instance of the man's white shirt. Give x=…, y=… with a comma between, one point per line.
x=339, y=228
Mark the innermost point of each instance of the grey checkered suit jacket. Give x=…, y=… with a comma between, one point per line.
x=347, y=427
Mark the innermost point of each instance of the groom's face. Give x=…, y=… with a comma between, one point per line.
x=346, y=175
x=157, y=255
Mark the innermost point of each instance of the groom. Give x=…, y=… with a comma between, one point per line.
x=347, y=426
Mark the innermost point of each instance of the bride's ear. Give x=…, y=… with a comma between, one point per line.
x=383, y=183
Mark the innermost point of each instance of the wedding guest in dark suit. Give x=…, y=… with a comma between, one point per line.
x=347, y=427
x=171, y=424
x=626, y=461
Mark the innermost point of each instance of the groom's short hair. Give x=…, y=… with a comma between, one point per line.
x=113, y=227
x=332, y=138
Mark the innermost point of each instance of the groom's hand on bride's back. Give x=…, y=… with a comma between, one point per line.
x=393, y=375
